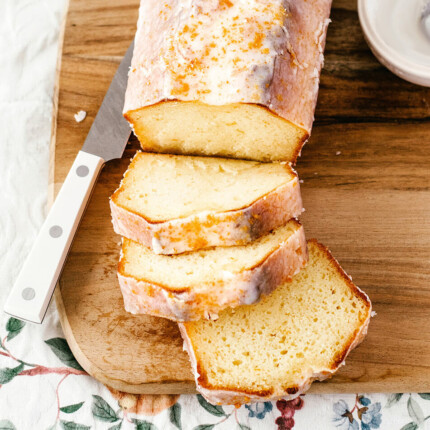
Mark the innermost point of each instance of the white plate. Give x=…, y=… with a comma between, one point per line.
x=393, y=32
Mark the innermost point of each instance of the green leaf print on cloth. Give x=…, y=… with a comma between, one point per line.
x=8, y=373
x=70, y=425
x=143, y=425
x=102, y=411
x=415, y=411
x=61, y=349
x=393, y=399
x=175, y=415
x=218, y=411
x=14, y=327
x=425, y=396
x=410, y=426
x=204, y=427
x=71, y=408
x=6, y=425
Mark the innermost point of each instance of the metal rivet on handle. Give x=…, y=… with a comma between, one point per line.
x=28, y=293
x=55, y=231
x=82, y=171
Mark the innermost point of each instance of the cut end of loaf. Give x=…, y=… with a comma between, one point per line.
x=174, y=204
x=165, y=187
x=237, y=130
x=302, y=331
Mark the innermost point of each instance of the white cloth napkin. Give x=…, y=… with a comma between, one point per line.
x=29, y=32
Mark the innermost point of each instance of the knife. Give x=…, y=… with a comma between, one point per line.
x=30, y=296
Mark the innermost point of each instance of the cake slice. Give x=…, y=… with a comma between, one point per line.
x=200, y=284
x=174, y=204
x=301, y=332
x=231, y=78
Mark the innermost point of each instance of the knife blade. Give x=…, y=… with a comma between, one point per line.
x=30, y=296
x=109, y=133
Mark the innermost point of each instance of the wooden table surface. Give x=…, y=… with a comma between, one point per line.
x=366, y=191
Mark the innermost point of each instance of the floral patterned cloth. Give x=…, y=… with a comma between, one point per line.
x=59, y=394
x=42, y=386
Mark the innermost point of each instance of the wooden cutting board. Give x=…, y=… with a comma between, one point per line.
x=366, y=190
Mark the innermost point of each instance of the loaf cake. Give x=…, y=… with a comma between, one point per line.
x=301, y=332
x=174, y=204
x=200, y=284
x=231, y=78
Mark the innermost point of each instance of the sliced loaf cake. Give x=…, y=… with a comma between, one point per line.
x=232, y=78
x=301, y=332
x=200, y=284
x=174, y=204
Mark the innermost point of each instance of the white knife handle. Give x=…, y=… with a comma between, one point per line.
x=32, y=292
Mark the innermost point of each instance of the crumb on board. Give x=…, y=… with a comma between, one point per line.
x=301, y=181
x=80, y=116
x=338, y=152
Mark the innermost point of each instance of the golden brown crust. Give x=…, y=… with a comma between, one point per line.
x=299, y=148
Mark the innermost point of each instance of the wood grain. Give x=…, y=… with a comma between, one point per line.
x=370, y=204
